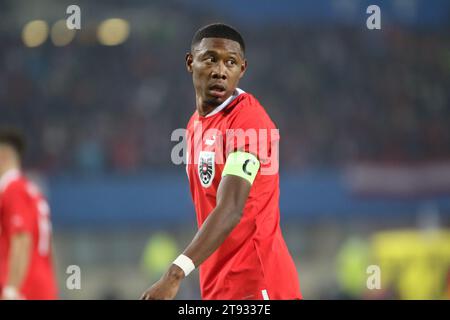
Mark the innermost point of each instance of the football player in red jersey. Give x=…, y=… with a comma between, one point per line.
x=239, y=247
x=26, y=270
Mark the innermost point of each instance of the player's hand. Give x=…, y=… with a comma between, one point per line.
x=167, y=287
x=10, y=293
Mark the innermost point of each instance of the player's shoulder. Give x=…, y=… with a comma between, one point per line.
x=17, y=186
x=248, y=101
x=192, y=119
x=248, y=109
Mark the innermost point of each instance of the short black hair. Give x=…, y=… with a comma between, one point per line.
x=218, y=30
x=13, y=137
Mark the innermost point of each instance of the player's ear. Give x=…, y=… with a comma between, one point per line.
x=189, y=61
x=243, y=68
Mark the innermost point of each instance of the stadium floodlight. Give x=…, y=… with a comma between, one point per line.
x=34, y=33
x=112, y=32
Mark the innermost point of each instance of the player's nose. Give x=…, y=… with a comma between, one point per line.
x=219, y=75
x=219, y=72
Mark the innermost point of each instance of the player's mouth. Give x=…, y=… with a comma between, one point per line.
x=217, y=90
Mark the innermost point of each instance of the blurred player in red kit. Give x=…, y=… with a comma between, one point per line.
x=239, y=246
x=26, y=270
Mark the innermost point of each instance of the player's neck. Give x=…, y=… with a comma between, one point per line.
x=8, y=167
x=204, y=108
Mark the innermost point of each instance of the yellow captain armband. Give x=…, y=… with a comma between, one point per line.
x=241, y=164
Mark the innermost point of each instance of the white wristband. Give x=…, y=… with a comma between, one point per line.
x=10, y=293
x=185, y=263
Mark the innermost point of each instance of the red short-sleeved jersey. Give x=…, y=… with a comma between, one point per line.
x=253, y=262
x=24, y=209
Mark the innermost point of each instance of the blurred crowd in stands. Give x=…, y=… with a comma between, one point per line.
x=337, y=94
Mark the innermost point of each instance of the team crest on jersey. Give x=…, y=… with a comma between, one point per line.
x=206, y=169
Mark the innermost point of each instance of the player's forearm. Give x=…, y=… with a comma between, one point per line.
x=19, y=258
x=212, y=234
x=232, y=195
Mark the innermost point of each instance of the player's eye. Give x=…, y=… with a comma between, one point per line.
x=231, y=62
x=209, y=59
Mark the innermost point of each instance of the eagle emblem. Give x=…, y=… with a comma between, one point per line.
x=206, y=169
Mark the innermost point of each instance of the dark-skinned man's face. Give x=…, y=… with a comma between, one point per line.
x=216, y=65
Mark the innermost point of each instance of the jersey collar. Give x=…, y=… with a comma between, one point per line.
x=219, y=108
x=8, y=177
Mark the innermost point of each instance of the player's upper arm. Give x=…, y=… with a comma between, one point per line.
x=254, y=132
x=238, y=175
x=242, y=164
